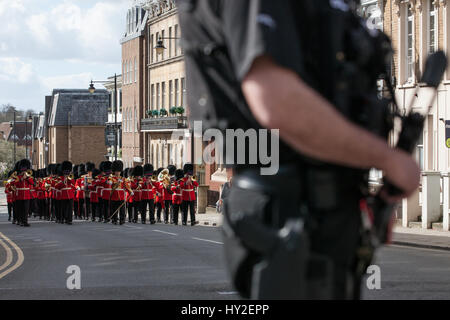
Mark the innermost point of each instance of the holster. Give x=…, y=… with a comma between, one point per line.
x=267, y=245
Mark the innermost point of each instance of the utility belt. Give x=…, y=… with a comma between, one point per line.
x=267, y=225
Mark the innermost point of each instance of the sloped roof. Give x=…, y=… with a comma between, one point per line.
x=78, y=107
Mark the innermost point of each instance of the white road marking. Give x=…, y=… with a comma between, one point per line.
x=206, y=240
x=225, y=293
x=173, y=234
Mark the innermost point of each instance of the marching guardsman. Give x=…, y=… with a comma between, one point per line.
x=168, y=194
x=23, y=186
x=67, y=188
x=105, y=192
x=10, y=191
x=159, y=199
x=33, y=210
x=59, y=178
x=76, y=208
x=126, y=174
x=99, y=187
x=165, y=184
x=88, y=178
x=148, y=194
x=94, y=199
x=118, y=188
x=137, y=184
x=47, y=188
x=40, y=193
x=177, y=197
x=80, y=185
x=188, y=185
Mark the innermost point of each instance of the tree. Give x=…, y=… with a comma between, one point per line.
x=7, y=153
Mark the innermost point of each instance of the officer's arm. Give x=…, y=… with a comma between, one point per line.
x=279, y=99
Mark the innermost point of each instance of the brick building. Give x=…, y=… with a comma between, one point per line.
x=75, y=125
x=114, y=117
x=134, y=62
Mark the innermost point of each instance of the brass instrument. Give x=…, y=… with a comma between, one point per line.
x=71, y=176
x=29, y=173
x=164, y=178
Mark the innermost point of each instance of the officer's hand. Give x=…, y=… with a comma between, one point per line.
x=402, y=171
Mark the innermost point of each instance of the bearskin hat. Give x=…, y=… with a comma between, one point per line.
x=117, y=166
x=130, y=172
x=101, y=165
x=90, y=166
x=24, y=165
x=159, y=171
x=59, y=170
x=95, y=173
x=138, y=171
x=75, y=171
x=107, y=165
x=16, y=166
x=42, y=173
x=54, y=168
x=171, y=169
x=179, y=174
x=188, y=168
x=66, y=167
x=81, y=170
x=125, y=172
x=148, y=169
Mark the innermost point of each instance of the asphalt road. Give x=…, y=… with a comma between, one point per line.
x=136, y=261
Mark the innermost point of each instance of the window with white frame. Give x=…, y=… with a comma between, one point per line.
x=432, y=27
x=176, y=41
x=162, y=38
x=152, y=101
x=152, y=48
x=170, y=42
x=170, y=93
x=163, y=95
x=177, y=92
x=158, y=95
x=410, y=44
x=135, y=120
x=183, y=92
x=135, y=70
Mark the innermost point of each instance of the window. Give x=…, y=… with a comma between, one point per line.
x=130, y=70
x=183, y=92
x=162, y=38
x=432, y=40
x=135, y=120
x=177, y=92
x=170, y=42
x=130, y=121
x=152, y=48
x=135, y=70
x=158, y=95
x=419, y=153
x=170, y=94
x=152, y=101
x=410, y=44
x=124, y=72
x=176, y=41
x=124, y=121
x=156, y=38
x=163, y=95
x=120, y=100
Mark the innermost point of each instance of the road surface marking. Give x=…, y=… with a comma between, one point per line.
x=132, y=227
x=225, y=293
x=206, y=240
x=20, y=257
x=173, y=234
x=9, y=256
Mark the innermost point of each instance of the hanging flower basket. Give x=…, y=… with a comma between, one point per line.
x=163, y=112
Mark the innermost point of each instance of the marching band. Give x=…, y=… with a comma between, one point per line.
x=63, y=192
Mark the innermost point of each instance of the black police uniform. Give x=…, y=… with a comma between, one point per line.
x=221, y=40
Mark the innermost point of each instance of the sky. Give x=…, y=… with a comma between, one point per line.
x=46, y=44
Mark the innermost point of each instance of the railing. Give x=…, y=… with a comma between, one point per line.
x=161, y=123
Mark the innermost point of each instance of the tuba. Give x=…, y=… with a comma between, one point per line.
x=164, y=178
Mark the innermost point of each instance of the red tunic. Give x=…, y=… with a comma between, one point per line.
x=23, y=188
x=177, y=197
x=106, y=188
x=120, y=188
x=148, y=189
x=67, y=189
x=9, y=193
x=188, y=190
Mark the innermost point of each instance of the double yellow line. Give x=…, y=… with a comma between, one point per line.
x=8, y=267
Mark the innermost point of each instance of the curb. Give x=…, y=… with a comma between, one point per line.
x=419, y=245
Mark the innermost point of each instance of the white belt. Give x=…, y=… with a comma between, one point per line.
x=188, y=190
x=66, y=189
x=177, y=194
x=22, y=188
x=147, y=190
x=105, y=189
x=118, y=190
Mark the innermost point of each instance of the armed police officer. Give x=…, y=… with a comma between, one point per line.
x=309, y=69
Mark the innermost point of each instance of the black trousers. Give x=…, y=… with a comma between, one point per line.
x=158, y=207
x=58, y=215
x=106, y=209
x=66, y=209
x=120, y=214
x=41, y=204
x=150, y=204
x=22, y=209
x=175, y=211
x=188, y=205
x=99, y=209
x=88, y=207
x=10, y=210
x=93, y=206
x=76, y=209
x=167, y=208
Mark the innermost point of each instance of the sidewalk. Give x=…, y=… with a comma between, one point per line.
x=421, y=238
x=211, y=218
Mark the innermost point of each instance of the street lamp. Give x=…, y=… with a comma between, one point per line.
x=12, y=124
x=92, y=90
x=160, y=44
